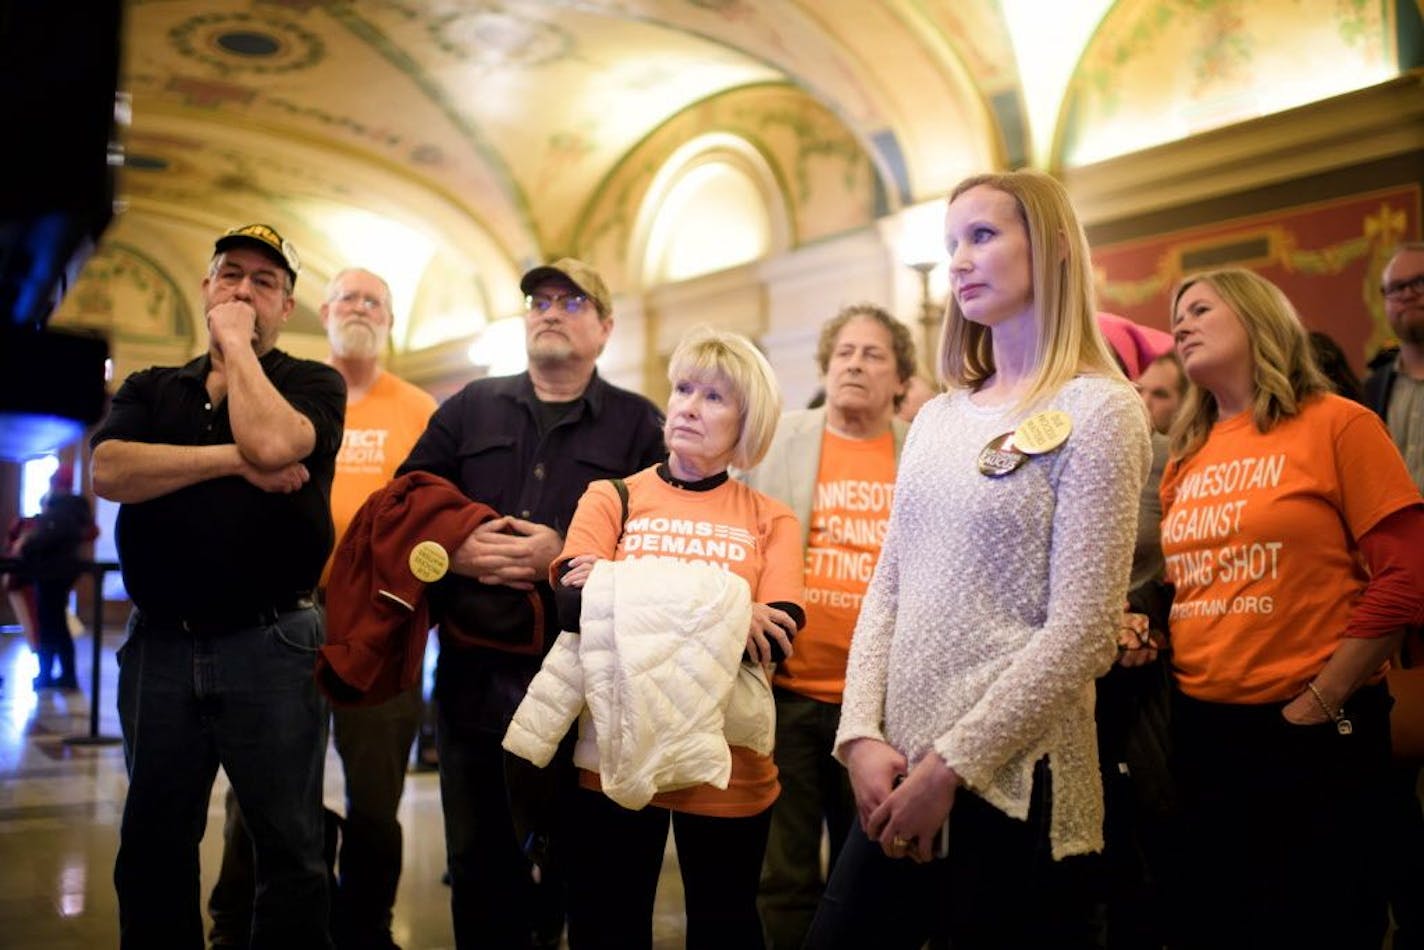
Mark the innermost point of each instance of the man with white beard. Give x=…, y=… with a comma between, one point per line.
x=385, y=415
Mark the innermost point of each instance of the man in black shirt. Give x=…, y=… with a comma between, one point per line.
x=223, y=469
x=527, y=446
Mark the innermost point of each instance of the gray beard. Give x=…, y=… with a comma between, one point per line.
x=550, y=350
x=355, y=342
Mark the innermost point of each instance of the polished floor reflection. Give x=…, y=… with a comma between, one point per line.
x=61, y=799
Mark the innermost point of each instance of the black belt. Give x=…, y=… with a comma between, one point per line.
x=228, y=621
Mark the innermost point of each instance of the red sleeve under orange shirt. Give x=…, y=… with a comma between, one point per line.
x=1394, y=597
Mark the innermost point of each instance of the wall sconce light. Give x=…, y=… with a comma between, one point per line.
x=931, y=316
x=918, y=237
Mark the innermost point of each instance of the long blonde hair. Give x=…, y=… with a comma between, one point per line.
x=1069, y=341
x=1283, y=370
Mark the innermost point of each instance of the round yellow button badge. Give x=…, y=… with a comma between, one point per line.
x=429, y=562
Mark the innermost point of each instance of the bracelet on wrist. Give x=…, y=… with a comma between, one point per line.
x=1342, y=725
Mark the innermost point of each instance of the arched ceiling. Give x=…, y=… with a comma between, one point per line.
x=489, y=127
x=450, y=143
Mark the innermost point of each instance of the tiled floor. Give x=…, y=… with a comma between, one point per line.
x=60, y=804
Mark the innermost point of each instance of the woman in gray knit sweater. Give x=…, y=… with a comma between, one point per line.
x=967, y=725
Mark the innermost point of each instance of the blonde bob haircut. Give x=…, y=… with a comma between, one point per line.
x=1069, y=341
x=707, y=355
x=1283, y=369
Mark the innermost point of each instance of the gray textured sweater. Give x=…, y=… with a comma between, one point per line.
x=996, y=601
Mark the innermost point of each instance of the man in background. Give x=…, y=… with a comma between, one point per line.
x=1395, y=390
x=1162, y=386
x=1395, y=386
x=834, y=467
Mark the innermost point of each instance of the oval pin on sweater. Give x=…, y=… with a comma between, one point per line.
x=1043, y=431
x=1000, y=456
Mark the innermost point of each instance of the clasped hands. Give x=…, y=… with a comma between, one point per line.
x=899, y=807
x=509, y=551
x=1136, y=645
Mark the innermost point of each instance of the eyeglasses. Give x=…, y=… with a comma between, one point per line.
x=572, y=303
x=1396, y=289
x=353, y=298
x=269, y=282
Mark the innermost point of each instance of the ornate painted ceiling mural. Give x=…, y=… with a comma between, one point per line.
x=1157, y=72
x=448, y=144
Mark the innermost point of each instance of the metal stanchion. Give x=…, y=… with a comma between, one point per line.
x=97, y=570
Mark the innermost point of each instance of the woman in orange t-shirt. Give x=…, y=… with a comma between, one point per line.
x=1291, y=531
x=723, y=410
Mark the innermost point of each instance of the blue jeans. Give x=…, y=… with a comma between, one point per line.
x=246, y=700
x=52, y=621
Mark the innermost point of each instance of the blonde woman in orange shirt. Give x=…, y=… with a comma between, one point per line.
x=722, y=411
x=1292, y=533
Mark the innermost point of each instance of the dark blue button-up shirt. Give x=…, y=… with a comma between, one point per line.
x=486, y=439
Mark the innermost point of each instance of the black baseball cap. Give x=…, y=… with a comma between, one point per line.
x=265, y=237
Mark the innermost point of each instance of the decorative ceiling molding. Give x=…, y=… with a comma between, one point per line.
x=1352, y=129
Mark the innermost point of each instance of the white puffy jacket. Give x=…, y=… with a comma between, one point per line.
x=656, y=680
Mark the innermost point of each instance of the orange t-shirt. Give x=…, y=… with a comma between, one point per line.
x=732, y=527
x=381, y=429
x=849, y=514
x=1259, y=535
